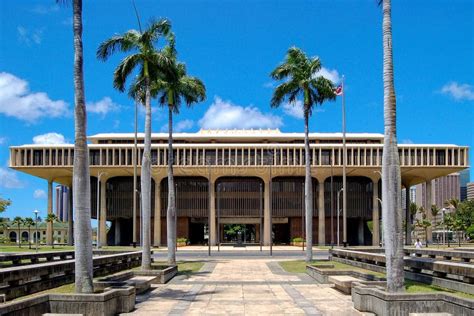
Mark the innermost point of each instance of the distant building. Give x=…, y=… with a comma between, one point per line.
x=62, y=202
x=464, y=179
x=470, y=191
x=442, y=189
x=11, y=232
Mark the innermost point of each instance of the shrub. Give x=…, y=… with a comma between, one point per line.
x=182, y=240
x=298, y=239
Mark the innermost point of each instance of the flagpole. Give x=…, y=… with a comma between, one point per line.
x=344, y=163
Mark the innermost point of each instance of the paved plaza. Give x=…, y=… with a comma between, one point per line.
x=250, y=286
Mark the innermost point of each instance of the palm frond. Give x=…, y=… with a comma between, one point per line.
x=123, y=43
x=156, y=29
x=124, y=69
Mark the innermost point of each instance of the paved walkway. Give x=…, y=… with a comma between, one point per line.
x=238, y=287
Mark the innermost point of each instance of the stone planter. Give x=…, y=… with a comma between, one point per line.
x=371, y=297
x=298, y=243
x=163, y=275
x=323, y=272
x=181, y=244
x=112, y=301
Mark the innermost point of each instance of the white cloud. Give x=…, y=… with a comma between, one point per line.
x=407, y=141
x=181, y=126
x=49, y=138
x=184, y=125
x=458, y=91
x=294, y=109
x=39, y=194
x=9, y=179
x=103, y=106
x=17, y=101
x=269, y=85
x=42, y=9
x=332, y=75
x=226, y=115
x=29, y=37
x=3, y=140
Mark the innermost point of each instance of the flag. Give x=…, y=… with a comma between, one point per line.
x=339, y=90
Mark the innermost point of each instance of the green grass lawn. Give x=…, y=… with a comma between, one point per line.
x=416, y=287
x=184, y=267
x=24, y=248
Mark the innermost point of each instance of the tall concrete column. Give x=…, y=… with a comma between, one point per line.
x=157, y=218
x=103, y=213
x=212, y=215
x=428, y=203
x=375, y=214
x=49, y=225
x=117, y=232
x=70, y=219
x=267, y=230
x=321, y=215
x=408, y=240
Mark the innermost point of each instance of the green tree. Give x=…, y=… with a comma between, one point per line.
x=423, y=223
x=145, y=57
x=51, y=218
x=81, y=174
x=172, y=89
x=29, y=222
x=434, y=213
x=448, y=223
x=4, y=203
x=299, y=74
x=18, y=221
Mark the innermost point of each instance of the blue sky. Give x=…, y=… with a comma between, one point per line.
x=233, y=46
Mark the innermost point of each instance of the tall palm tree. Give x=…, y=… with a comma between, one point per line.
x=145, y=57
x=18, y=221
x=391, y=178
x=172, y=89
x=28, y=222
x=81, y=174
x=300, y=75
x=51, y=218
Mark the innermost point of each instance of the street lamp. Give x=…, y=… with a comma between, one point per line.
x=36, y=228
x=338, y=212
x=98, y=209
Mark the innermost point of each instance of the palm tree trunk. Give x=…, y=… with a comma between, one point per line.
x=145, y=179
x=308, y=190
x=81, y=176
x=391, y=179
x=171, y=211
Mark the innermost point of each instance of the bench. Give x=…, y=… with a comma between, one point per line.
x=438, y=253
x=343, y=283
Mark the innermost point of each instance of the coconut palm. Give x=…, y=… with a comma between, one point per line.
x=29, y=222
x=172, y=89
x=145, y=58
x=391, y=178
x=51, y=219
x=301, y=80
x=18, y=221
x=81, y=175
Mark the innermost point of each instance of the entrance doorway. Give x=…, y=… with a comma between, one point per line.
x=240, y=234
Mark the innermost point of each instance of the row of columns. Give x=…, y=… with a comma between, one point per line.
x=267, y=209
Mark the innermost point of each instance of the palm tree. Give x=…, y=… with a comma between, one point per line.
x=28, y=222
x=172, y=89
x=391, y=178
x=300, y=75
x=4, y=203
x=51, y=218
x=146, y=56
x=81, y=174
x=18, y=221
